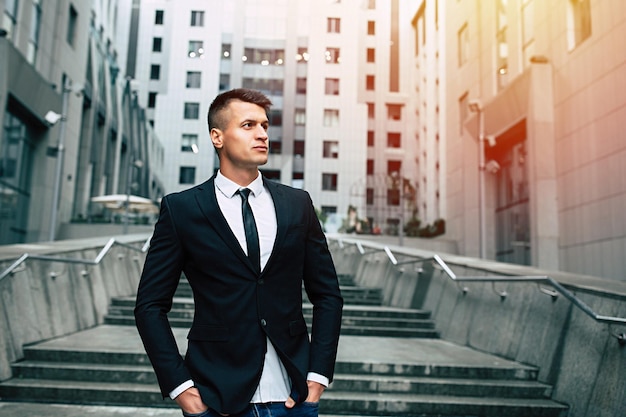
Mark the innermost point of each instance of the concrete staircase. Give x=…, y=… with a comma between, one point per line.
x=390, y=363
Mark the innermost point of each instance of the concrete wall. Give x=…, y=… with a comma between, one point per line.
x=45, y=299
x=578, y=356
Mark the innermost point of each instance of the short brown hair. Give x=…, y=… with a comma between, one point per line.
x=243, y=94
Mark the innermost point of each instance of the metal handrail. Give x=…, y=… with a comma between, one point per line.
x=539, y=279
x=103, y=252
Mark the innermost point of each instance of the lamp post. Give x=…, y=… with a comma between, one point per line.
x=129, y=187
x=60, y=149
x=475, y=106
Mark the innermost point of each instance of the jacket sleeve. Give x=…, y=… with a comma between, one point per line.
x=322, y=287
x=159, y=280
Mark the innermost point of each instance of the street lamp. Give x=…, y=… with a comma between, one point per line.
x=475, y=106
x=52, y=117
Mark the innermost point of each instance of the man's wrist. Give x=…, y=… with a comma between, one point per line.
x=181, y=388
x=320, y=379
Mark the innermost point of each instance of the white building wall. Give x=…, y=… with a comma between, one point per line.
x=589, y=146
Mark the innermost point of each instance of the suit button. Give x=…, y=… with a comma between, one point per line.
x=261, y=282
x=263, y=322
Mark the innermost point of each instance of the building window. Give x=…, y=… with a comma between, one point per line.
x=502, y=49
x=225, y=51
x=155, y=72
x=329, y=182
x=276, y=148
x=528, y=30
x=463, y=45
x=298, y=147
x=578, y=22
x=275, y=117
x=271, y=87
x=329, y=210
x=331, y=149
x=300, y=117
x=371, y=110
x=371, y=4
x=394, y=111
x=333, y=25
x=300, y=85
x=197, y=18
x=393, y=194
x=152, y=99
x=196, y=49
x=33, y=38
x=158, y=17
x=394, y=167
x=331, y=117
x=369, y=199
x=370, y=167
x=371, y=55
x=157, y=44
x=264, y=56
x=302, y=55
x=332, y=87
x=193, y=79
x=371, y=27
x=189, y=143
x=187, y=175
x=224, y=82
x=370, y=138
x=332, y=56
x=394, y=140
x=10, y=16
x=192, y=110
x=370, y=82
x=71, y=25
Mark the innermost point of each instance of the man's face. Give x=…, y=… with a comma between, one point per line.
x=242, y=138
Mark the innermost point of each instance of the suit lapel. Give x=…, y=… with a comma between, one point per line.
x=207, y=201
x=281, y=206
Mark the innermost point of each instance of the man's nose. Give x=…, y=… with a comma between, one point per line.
x=261, y=133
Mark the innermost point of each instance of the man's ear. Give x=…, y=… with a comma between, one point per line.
x=216, y=138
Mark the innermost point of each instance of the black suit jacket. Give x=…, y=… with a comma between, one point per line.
x=236, y=308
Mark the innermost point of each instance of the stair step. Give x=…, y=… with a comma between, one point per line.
x=335, y=402
x=110, y=373
x=100, y=372
x=84, y=392
x=438, y=405
x=462, y=387
x=346, y=329
x=382, y=316
x=79, y=365
x=115, y=314
x=127, y=304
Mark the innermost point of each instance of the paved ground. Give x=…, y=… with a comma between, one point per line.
x=374, y=350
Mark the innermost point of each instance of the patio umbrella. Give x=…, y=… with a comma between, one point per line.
x=136, y=204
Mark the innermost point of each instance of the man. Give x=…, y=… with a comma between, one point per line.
x=248, y=350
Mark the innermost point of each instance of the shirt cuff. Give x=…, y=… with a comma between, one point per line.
x=181, y=388
x=320, y=379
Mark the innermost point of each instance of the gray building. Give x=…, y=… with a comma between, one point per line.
x=71, y=124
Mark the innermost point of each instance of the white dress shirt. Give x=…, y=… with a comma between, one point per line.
x=274, y=384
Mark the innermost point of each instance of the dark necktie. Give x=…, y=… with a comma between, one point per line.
x=252, y=235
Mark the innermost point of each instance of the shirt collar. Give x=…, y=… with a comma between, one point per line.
x=229, y=188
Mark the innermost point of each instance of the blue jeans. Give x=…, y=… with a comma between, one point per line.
x=305, y=409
